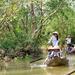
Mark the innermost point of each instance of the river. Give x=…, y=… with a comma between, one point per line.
x=37, y=68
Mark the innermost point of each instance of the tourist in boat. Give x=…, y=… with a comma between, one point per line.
x=68, y=40
x=53, y=52
x=70, y=46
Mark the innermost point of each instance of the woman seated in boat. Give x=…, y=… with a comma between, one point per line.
x=54, y=52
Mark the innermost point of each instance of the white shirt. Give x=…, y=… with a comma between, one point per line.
x=54, y=41
x=68, y=40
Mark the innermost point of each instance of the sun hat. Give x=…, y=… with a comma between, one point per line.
x=55, y=32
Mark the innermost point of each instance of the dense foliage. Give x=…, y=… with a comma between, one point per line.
x=28, y=23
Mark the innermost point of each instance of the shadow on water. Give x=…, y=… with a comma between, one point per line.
x=37, y=68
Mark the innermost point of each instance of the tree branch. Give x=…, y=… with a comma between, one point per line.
x=51, y=14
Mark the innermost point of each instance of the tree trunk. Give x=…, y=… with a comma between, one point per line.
x=41, y=7
x=32, y=17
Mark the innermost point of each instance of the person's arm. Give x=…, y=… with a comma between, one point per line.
x=49, y=41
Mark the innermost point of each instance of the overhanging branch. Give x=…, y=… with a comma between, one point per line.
x=51, y=14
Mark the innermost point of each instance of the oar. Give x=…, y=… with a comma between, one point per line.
x=36, y=60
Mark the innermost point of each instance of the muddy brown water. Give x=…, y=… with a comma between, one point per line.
x=37, y=68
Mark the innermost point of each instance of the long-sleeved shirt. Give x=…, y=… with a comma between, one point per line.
x=54, y=41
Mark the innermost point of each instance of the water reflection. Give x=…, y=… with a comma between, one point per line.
x=62, y=70
x=38, y=69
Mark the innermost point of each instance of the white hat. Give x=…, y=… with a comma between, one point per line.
x=55, y=32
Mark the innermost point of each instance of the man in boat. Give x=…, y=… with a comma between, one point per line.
x=70, y=47
x=68, y=40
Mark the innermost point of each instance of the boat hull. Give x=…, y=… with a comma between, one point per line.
x=56, y=61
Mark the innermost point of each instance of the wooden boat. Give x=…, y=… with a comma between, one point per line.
x=56, y=61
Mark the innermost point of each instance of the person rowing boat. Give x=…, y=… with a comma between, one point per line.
x=54, y=51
